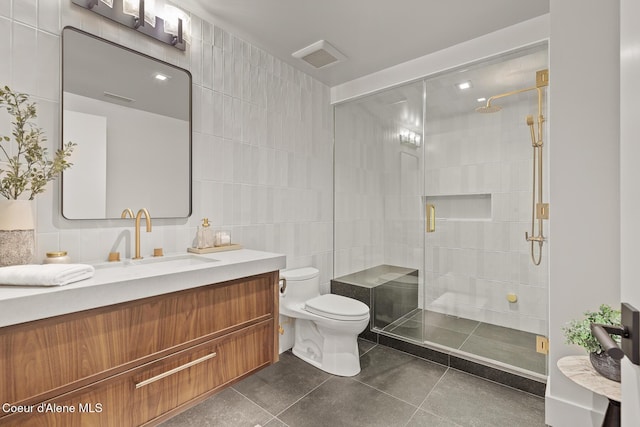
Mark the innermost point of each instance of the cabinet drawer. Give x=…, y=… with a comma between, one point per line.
x=104, y=404
x=44, y=358
x=157, y=390
x=175, y=381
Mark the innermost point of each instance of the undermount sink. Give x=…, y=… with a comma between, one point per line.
x=169, y=261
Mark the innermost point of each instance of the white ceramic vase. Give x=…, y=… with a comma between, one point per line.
x=17, y=232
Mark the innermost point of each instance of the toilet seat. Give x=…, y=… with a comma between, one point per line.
x=304, y=273
x=337, y=307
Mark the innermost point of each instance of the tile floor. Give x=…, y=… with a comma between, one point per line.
x=510, y=346
x=393, y=389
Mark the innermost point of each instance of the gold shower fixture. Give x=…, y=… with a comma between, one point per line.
x=539, y=210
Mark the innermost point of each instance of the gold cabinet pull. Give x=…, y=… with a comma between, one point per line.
x=431, y=218
x=175, y=370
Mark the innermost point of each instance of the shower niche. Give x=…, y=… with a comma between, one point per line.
x=452, y=208
x=461, y=206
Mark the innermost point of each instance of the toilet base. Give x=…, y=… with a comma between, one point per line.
x=343, y=365
x=335, y=353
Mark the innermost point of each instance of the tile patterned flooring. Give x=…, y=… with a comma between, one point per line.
x=510, y=346
x=392, y=389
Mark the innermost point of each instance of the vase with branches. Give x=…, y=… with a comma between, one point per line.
x=25, y=170
x=28, y=168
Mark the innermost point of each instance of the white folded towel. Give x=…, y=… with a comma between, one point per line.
x=45, y=275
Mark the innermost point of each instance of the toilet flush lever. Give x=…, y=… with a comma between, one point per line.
x=283, y=285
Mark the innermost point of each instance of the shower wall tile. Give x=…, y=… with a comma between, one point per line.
x=48, y=13
x=195, y=50
x=23, y=44
x=207, y=65
x=217, y=69
x=25, y=11
x=5, y=9
x=360, y=231
x=476, y=263
x=48, y=59
x=5, y=51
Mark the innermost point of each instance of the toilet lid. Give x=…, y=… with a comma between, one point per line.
x=337, y=307
x=299, y=273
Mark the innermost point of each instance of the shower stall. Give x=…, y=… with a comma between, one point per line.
x=440, y=213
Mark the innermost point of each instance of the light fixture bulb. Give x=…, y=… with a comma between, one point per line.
x=481, y=99
x=464, y=85
x=171, y=15
x=132, y=7
x=161, y=77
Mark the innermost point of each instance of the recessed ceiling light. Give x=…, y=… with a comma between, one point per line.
x=161, y=77
x=482, y=99
x=464, y=85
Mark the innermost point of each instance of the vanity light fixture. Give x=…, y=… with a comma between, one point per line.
x=172, y=28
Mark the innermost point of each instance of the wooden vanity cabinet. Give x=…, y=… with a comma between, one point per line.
x=140, y=362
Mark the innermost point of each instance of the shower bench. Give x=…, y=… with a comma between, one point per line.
x=391, y=292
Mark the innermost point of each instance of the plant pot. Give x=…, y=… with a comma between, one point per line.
x=17, y=234
x=605, y=365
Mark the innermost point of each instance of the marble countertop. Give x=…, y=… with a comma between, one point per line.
x=579, y=370
x=113, y=284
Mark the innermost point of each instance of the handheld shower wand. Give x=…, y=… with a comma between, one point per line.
x=539, y=210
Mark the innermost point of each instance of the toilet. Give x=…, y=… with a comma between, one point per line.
x=322, y=329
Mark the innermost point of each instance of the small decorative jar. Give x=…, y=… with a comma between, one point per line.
x=60, y=257
x=222, y=238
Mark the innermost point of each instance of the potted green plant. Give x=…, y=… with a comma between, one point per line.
x=25, y=170
x=579, y=332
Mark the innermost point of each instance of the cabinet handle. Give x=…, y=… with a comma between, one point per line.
x=175, y=370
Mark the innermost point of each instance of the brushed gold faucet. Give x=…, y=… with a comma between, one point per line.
x=147, y=217
x=148, y=220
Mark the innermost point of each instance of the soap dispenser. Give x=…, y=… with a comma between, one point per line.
x=205, y=235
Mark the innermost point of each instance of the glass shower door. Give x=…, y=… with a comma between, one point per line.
x=432, y=202
x=378, y=207
x=483, y=298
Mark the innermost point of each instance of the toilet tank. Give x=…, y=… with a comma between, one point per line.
x=302, y=284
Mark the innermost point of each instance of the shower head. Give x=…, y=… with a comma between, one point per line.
x=495, y=108
x=488, y=108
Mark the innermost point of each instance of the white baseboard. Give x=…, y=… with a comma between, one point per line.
x=562, y=413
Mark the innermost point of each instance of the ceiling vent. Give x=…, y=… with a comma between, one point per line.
x=320, y=54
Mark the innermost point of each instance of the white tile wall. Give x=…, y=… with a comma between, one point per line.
x=360, y=225
x=472, y=265
x=262, y=141
x=378, y=192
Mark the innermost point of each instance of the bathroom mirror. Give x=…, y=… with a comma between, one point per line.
x=130, y=116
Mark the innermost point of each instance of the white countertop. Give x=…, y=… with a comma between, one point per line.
x=113, y=285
